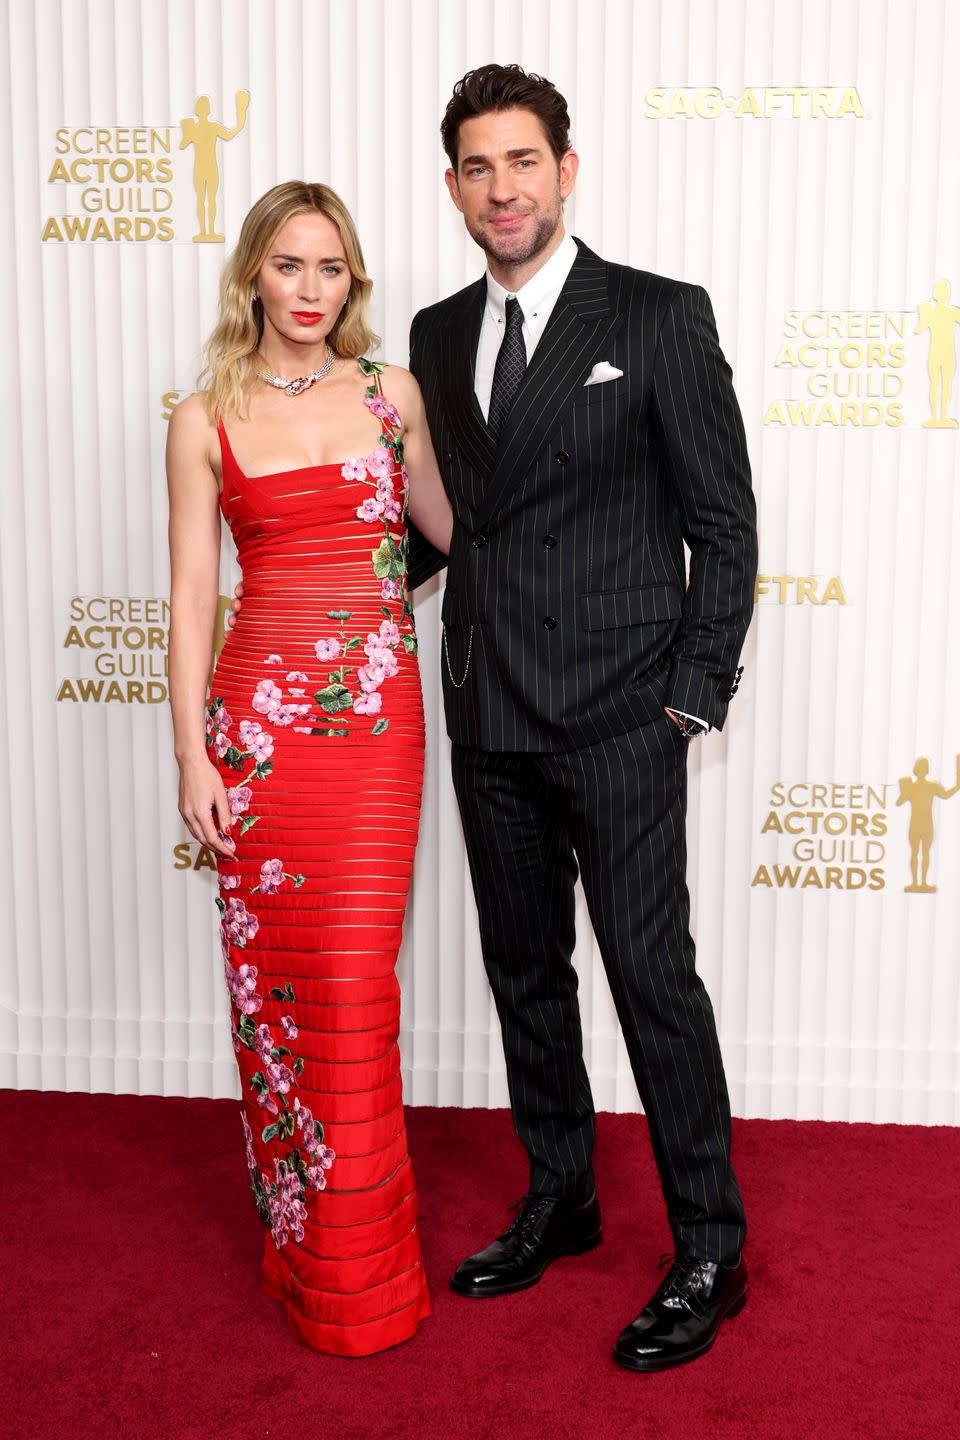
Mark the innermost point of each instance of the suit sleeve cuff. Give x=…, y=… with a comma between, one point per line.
x=691, y=691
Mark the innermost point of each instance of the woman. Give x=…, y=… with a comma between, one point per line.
x=303, y=771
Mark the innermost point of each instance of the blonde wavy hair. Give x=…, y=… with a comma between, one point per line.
x=230, y=364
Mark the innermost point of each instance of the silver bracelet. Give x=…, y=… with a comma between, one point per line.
x=458, y=684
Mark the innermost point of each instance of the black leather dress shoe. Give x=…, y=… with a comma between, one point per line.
x=545, y=1228
x=682, y=1319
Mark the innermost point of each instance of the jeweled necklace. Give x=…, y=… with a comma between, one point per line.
x=302, y=382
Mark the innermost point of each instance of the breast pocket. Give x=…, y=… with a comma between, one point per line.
x=604, y=392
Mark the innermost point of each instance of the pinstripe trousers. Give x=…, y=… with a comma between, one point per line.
x=617, y=809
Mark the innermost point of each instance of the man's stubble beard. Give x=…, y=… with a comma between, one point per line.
x=546, y=228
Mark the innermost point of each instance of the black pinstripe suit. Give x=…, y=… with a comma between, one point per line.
x=568, y=626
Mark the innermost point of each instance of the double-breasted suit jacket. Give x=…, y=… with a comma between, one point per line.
x=567, y=603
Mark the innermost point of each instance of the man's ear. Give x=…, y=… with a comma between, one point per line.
x=452, y=185
x=569, y=165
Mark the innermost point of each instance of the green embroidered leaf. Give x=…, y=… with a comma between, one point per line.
x=331, y=731
x=247, y=822
x=287, y=1124
x=258, y=1081
x=410, y=644
x=351, y=644
x=298, y=1067
x=371, y=367
x=298, y=881
x=281, y=1051
x=220, y=905
x=383, y=561
x=379, y=726
x=263, y=769
x=385, y=610
x=215, y=704
x=276, y=993
x=334, y=698
x=339, y=614
x=269, y=1132
x=288, y=992
x=318, y=1128
x=234, y=758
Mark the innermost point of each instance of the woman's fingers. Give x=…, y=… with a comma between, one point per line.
x=222, y=807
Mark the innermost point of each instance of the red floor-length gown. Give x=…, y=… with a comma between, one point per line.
x=316, y=724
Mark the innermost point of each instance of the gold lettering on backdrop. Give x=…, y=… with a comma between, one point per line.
x=919, y=792
x=941, y=320
x=203, y=133
x=792, y=102
x=122, y=642
x=835, y=835
x=798, y=590
x=122, y=198
x=852, y=363
x=189, y=855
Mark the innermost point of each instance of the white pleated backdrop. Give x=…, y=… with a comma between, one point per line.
x=839, y=1001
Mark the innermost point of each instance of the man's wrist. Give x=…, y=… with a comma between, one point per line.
x=690, y=725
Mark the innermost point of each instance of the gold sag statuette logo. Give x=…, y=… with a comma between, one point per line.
x=126, y=175
x=919, y=792
x=796, y=102
x=941, y=319
x=203, y=133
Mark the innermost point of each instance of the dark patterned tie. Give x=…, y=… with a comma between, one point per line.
x=509, y=369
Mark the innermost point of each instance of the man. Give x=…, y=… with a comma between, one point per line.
x=584, y=420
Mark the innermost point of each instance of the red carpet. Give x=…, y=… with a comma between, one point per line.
x=132, y=1308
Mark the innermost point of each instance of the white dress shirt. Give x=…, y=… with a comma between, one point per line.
x=537, y=299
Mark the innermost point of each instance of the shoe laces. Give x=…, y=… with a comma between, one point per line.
x=683, y=1279
x=532, y=1209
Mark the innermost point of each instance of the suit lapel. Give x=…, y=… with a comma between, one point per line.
x=461, y=339
x=579, y=331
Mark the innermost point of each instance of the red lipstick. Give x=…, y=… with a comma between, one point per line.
x=306, y=317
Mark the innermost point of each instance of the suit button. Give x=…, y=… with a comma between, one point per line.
x=549, y=541
x=562, y=457
x=479, y=540
x=549, y=623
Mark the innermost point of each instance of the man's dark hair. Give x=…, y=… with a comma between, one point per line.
x=505, y=87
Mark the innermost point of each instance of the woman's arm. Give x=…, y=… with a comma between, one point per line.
x=194, y=577
x=427, y=504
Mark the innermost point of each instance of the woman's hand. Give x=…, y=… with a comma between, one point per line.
x=234, y=611
x=204, y=805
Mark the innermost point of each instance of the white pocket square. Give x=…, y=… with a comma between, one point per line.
x=602, y=371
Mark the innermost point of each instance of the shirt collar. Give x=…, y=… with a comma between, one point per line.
x=542, y=288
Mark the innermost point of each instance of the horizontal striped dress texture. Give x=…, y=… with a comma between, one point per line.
x=316, y=724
